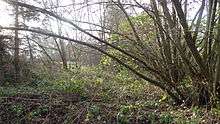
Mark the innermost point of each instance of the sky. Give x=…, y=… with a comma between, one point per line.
x=84, y=13
x=5, y=19
x=76, y=14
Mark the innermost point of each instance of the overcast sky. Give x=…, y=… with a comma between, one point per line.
x=89, y=14
x=80, y=12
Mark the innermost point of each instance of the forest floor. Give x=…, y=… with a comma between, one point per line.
x=91, y=96
x=30, y=107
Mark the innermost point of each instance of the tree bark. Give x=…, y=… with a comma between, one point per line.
x=30, y=50
x=16, y=47
x=1, y=60
x=216, y=84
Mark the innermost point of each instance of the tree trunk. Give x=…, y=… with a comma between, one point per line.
x=63, y=54
x=1, y=61
x=16, y=47
x=216, y=84
x=30, y=51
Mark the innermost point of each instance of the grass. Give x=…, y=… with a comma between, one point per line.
x=91, y=96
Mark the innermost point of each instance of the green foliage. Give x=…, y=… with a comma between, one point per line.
x=143, y=25
x=124, y=114
x=145, y=29
x=106, y=95
x=40, y=111
x=106, y=60
x=187, y=82
x=93, y=112
x=72, y=86
x=152, y=117
x=164, y=98
x=17, y=109
x=118, y=94
x=216, y=111
x=151, y=104
x=166, y=119
x=189, y=116
x=12, y=91
x=196, y=111
x=187, y=121
x=114, y=37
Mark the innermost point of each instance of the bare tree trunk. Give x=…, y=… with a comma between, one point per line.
x=63, y=54
x=217, y=73
x=188, y=37
x=30, y=50
x=1, y=61
x=216, y=86
x=16, y=47
x=61, y=49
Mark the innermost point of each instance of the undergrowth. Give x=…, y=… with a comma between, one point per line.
x=91, y=95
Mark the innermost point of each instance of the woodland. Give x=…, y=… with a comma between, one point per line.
x=109, y=62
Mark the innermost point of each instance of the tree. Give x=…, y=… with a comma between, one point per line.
x=16, y=47
x=2, y=58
